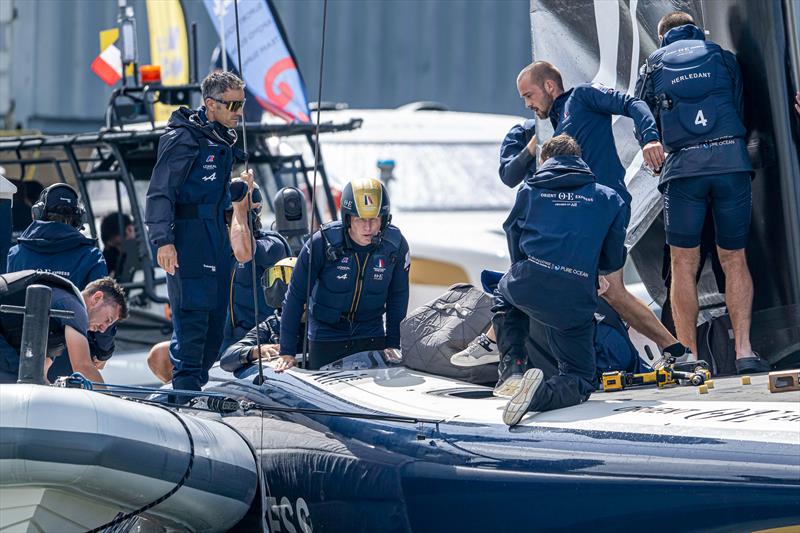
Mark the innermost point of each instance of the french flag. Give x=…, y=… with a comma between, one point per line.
x=108, y=65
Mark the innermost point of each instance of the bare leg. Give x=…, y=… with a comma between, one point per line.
x=738, y=297
x=490, y=334
x=159, y=362
x=47, y=364
x=685, y=262
x=635, y=312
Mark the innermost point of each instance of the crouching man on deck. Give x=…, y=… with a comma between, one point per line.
x=99, y=306
x=359, y=272
x=563, y=230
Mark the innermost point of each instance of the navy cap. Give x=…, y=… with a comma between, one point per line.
x=60, y=198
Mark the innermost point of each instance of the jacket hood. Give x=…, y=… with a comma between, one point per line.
x=683, y=33
x=53, y=237
x=196, y=121
x=562, y=172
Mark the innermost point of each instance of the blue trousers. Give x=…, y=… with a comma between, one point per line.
x=194, y=348
x=565, y=356
x=573, y=348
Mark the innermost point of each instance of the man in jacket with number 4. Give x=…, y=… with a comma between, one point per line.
x=694, y=89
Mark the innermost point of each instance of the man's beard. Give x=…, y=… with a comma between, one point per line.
x=544, y=113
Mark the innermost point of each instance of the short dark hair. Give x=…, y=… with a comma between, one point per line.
x=64, y=219
x=110, y=227
x=112, y=291
x=673, y=20
x=539, y=71
x=560, y=145
x=218, y=82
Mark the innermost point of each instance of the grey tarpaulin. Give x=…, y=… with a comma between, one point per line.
x=432, y=333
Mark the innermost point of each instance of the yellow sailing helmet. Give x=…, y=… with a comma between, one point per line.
x=276, y=281
x=281, y=270
x=365, y=198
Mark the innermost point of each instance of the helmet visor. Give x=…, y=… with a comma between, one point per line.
x=279, y=272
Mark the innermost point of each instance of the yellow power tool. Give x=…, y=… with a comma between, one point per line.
x=667, y=372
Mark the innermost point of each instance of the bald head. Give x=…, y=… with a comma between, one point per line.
x=539, y=84
x=540, y=71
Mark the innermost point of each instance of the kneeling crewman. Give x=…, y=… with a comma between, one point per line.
x=101, y=304
x=359, y=272
x=563, y=230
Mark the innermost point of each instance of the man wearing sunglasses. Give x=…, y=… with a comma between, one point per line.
x=185, y=215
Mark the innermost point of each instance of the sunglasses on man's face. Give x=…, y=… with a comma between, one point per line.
x=231, y=105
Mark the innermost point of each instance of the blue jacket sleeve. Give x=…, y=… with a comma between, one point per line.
x=607, y=100
x=177, y=150
x=397, y=300
x=295, y=300
x=512, y=227
x=644, y=90
x=515, y=160
x=614, y=253
x=237, y=354
x=736, y=74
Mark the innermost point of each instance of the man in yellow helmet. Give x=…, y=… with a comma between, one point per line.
x=239, y=356
x=358, y=273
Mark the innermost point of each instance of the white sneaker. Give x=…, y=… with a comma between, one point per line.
x=506, y=389
x=480, y=351
x=521, y=401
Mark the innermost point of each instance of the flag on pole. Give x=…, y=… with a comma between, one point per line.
x=108, y=65
x=270, y=70
x=169, y=47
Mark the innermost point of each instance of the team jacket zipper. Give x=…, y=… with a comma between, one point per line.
x=359, y=286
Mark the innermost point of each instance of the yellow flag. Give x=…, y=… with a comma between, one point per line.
x=169, y=46
x=108, y=37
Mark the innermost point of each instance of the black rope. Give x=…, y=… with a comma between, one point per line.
x=314, y=182
x=175, y=489
x=253, y=277
x=249, y=206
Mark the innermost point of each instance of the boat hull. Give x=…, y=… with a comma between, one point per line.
x=72, y=460
x=663, y=460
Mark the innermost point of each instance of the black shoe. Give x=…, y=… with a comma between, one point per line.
x=511, y=370
x=752, y=365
